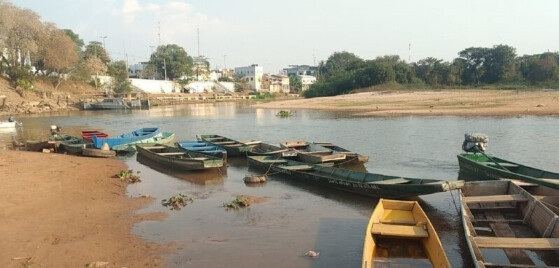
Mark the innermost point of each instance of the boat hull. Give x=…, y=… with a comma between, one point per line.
x=337, y=178
x=233, y=147
x=177, y=158
x=405, y=223
x=478, y=167
x=126, y=138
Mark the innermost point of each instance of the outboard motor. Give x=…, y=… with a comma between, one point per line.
x=475, y=142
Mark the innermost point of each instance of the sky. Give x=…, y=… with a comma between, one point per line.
x=276, y=34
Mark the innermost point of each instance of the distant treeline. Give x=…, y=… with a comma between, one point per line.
x=343, y=72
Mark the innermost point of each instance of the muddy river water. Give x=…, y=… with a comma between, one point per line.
x=296, y=217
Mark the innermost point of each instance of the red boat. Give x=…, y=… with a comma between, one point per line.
x=87, y=134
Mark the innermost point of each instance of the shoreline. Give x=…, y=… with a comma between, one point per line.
x=65, y=211
x=431, y=103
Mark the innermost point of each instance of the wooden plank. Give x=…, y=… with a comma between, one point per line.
x=172, y=153
x=299, y=167
x=498, y=265
x=495, y=198
x=518, y=243
x=399, y=230
x=502, y=229
x=391, y=181
x=224, y=142
x=488, y=208
x=153, y=147
x=522, y=183
x=498, y=221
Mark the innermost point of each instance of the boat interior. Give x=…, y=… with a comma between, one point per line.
x=508, y=227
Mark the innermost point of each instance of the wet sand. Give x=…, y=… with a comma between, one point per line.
x=445, y=102
x=68, y=211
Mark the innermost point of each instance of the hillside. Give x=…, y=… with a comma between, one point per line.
x=43, y=98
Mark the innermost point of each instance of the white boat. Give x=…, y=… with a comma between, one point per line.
x=6, y=124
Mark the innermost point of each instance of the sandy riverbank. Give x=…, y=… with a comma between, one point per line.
x=446, y=102
x=68, y=211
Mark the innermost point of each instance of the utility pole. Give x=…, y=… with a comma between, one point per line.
x=104, y=37
x=165, y=68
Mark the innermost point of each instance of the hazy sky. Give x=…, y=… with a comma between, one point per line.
x=275, y=34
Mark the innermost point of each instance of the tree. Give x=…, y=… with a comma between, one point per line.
x=499, y=64
x=95, y=49
x=76, y=39
x=339, y=62
x=95, y=66
x=474, y=60
x=58, y=53
x=295, y=83
x=173, y=60
x=20, y=32
x=118, y=71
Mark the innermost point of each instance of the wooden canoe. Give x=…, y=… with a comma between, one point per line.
x=271, y=150
x=87, y=134
x=480, y=167
x=94, y=152
x=500, y=215
x=313, y=153
x=405, y=224
x=177, y=158
x=370, y=184
x=350, y=155
x=233, y=147
x=126, y=138
x=161, y=138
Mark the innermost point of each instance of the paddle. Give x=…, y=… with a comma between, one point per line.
x=490, y=158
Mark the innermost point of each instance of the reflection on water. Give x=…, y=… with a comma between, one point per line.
x=298, y=217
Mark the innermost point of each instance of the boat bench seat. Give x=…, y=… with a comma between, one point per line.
x=518, y=243
x=172, y=153
x=399, y=230
x=224, y=142
x=298, y=167
x=505, y=165
x=153, y=147
x=494, y=198
x=390, y=181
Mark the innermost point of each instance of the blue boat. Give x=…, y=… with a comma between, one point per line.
x=204, y=148
x=130, y=137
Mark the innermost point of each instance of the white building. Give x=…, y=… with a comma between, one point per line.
x=252, y=75
x=306, y=81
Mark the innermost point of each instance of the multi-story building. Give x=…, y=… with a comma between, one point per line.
x=300, y=70
x=252, y=75
x=306, y=81
x=275, y=83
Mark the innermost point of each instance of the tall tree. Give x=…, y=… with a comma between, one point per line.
x=96, y=49
x=76, y=39
x=58, y=53
x=172, y=61
x=474, y=60
x=119, y=73
x=340, y=62
x=499, y=64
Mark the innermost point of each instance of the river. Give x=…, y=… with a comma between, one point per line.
x=298, y=217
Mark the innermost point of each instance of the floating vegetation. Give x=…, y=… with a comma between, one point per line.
x=240, y=201
x=177, y=202
x=129, y=176
x=284, y=113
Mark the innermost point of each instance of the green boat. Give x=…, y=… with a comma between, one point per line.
x=74, y=146
x=480, y=166
x=177, y=158
x=233, y=147
x=162, y=138
x=369, y=184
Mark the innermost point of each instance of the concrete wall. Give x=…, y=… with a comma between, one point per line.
x=156, y=86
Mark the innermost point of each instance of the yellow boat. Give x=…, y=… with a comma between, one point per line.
x=399, y=234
